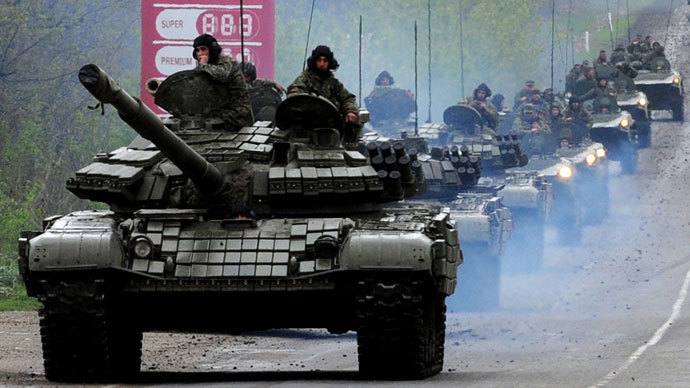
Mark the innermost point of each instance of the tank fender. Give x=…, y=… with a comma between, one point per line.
x=80, y=240
x=389, y=250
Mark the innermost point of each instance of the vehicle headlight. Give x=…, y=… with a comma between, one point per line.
x=565, y=172
x=601, y=152
x=625, y=123
x=642, y=101
x=590, y=159
x=142, y=247
x=676, y=80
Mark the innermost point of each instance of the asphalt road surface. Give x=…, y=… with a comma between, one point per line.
x=612, y=312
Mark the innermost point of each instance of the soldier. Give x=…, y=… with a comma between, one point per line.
x=619, y=55
x=657, y=52
x=387, y=103
x=524, y=94
x=556, y=116
x=249, y=71
x=499, y=103
x=572, y=77
x=550, y=99
x=602, y=89
x=237, y=113
x=319, y=79
x=635, y=48
x=648, y=43
x=479, y=101
x=577, y=114
x=528, y=121
x=601, y=61
x=566, y=137
x=623, y=76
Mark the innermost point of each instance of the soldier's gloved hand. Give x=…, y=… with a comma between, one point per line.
x=279, y=88
x=351, y=117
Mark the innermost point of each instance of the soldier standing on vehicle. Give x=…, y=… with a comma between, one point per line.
x=572, y=77
x=479, y=101
x=523, y=95
x=622, y=80
x=577, y=114
x=653, y=56
x=601, y=61
x=249, y=71
x=237, y=112
x=318, y=79
x=619, y=55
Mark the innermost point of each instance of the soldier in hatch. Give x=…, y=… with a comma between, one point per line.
x=479, y=101
x=249, y=71
x=237, y=113
x=534, y=133
x=318, y=78
x=603, y=89
x=387, y=103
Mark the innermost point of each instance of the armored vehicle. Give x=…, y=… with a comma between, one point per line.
x=265, y=100
x=663, y=86
x=577, y=173
x=462, y=145
x=636, y=104
x=616, y=130
x=390, y=108
x=215, y=231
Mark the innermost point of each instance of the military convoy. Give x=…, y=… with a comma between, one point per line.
x=213, y=231
x=663, y=86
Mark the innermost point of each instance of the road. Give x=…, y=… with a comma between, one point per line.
x=611, y=312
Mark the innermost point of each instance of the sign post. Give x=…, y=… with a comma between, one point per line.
x=169, y=28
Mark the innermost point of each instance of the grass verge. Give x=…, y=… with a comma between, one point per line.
x=12, y=292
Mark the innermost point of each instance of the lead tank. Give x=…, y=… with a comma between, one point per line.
x=214, y=231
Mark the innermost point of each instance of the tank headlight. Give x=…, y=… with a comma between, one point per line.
x=590, y=159
x=642, y=101
x=625, y=123
x=601, y=152
x=676, y=80
x=565, y=172
x=142, y=247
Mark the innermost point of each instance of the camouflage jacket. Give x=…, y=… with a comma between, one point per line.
x=580, y=114
x=599, y=90
x=261, y=82
x=523, y=125
x=237, y=112
x=490, y=114
x=327, y=87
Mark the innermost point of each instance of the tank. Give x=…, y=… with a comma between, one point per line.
x=616, y=130
x=458, y=145
x=214, y=231
x=664, y=88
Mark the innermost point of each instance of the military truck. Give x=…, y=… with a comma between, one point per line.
x=215, y=231
x=663, y=86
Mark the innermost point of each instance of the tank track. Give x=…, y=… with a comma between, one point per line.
x=84, y=338
x=400, y=328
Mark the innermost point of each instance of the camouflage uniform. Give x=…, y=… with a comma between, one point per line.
x=537, y=142
x=326, y=86
x=580, y=114
x=490, y=115
x=237, y=113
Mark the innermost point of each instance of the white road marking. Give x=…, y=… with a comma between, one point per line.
x=677, y=306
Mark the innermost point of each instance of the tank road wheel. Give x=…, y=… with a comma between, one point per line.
x=678, y=110
x=401, y=329
x=82, y=342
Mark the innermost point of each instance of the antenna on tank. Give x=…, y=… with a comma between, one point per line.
x=428, y=15
x=668, y=23
x=242, y=28
x=416, y=109
x=462, y=58
x=306, y=47
x=360, y=60
x=553, y=35
x=627, y=15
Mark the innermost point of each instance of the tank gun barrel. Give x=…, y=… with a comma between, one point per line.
x=138, y=116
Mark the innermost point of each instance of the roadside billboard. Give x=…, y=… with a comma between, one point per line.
x=168, y=29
